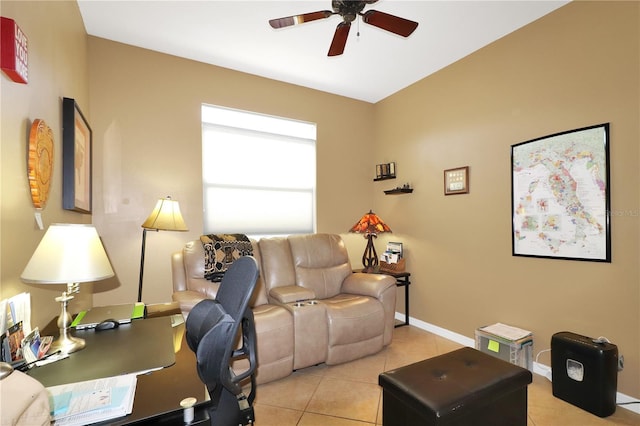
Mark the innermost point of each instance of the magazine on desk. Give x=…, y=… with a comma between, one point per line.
x=92, y=401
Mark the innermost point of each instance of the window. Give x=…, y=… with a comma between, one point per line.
x=258, y=173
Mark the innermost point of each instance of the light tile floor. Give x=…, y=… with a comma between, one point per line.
x=349, y=395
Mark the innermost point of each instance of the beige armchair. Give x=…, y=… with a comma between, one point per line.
x=353, y=312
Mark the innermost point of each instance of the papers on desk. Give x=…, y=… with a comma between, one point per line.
x=15, y=324
x=92, y=401
x=14, y=310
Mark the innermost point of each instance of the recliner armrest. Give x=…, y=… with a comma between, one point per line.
x=373, y=285
x=178, y=272
x=24, y=401
x=291, y=293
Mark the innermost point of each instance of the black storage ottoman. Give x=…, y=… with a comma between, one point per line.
x=463, y=387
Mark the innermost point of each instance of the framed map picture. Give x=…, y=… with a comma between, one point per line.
x=560, y=195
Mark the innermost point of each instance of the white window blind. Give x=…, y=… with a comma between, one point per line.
x=258, y=173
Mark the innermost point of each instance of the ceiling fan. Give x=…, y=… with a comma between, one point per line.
x=349, y=10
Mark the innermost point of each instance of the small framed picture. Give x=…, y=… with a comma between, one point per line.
x=456, y=181
x=76, y=158
x=385, y=171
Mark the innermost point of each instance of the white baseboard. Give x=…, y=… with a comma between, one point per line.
x=538, y=368
x=442, y=332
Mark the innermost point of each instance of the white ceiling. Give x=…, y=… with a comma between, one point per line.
x=236, y=35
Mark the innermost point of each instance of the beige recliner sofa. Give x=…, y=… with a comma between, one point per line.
x=309, y=306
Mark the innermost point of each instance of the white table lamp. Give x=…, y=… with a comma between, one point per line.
x=68, y=254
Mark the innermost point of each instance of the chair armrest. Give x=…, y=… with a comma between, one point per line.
x=24, y=401
x=162, y=309
x=373, y=285
x=291, y=293
x=187, y=300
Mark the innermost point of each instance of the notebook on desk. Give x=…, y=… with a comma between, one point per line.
x=122, y=313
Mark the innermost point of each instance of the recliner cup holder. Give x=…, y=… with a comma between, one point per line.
x=302, y=303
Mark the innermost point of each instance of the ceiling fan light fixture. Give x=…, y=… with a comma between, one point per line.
x=349, y=10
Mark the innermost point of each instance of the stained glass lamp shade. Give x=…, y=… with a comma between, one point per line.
x=370, y=225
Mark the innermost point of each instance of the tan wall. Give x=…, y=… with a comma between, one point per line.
x=576, y=67
x=57, y=68
x=147, y=124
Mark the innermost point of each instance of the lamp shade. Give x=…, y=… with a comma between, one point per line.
x=68, y=253
x=166, y=216
x=370, y=223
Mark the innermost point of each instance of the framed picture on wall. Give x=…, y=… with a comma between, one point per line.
x=76, y=158
x=456, y=181
x=560, y=195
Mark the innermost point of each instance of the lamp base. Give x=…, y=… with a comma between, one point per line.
x=67, y=344
x=5, y=369
x=370, y=257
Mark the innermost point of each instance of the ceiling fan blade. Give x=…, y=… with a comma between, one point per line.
x=339, y=39
x=395, y=24
x=299, y=19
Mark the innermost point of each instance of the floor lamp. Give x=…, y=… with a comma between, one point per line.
x=68, y=254
x=370, y=225
x=165, y=216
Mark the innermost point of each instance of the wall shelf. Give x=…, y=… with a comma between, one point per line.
x=399, y=191
x=384, y=178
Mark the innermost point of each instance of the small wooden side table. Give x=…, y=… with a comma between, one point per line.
x=402, y=280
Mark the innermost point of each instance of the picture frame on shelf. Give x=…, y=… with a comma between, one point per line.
x=77, y=166
x=560, y=196
x=385, y=171
x=456, y=181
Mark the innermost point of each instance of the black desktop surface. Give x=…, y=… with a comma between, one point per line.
x=138, y=346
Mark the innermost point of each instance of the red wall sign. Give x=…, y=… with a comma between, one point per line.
x=14, y=57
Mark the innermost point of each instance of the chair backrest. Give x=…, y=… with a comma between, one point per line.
x=277, y=263
x=212, y=330
x=212, y=326
x=236, y=288
x=321, y=263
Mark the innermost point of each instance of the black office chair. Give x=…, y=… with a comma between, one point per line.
x=213, y=328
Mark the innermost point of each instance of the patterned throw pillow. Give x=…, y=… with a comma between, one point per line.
x=221, y=250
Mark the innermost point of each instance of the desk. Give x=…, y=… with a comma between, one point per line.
x=161, y=391
x=402, y=280
x=139, y=346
